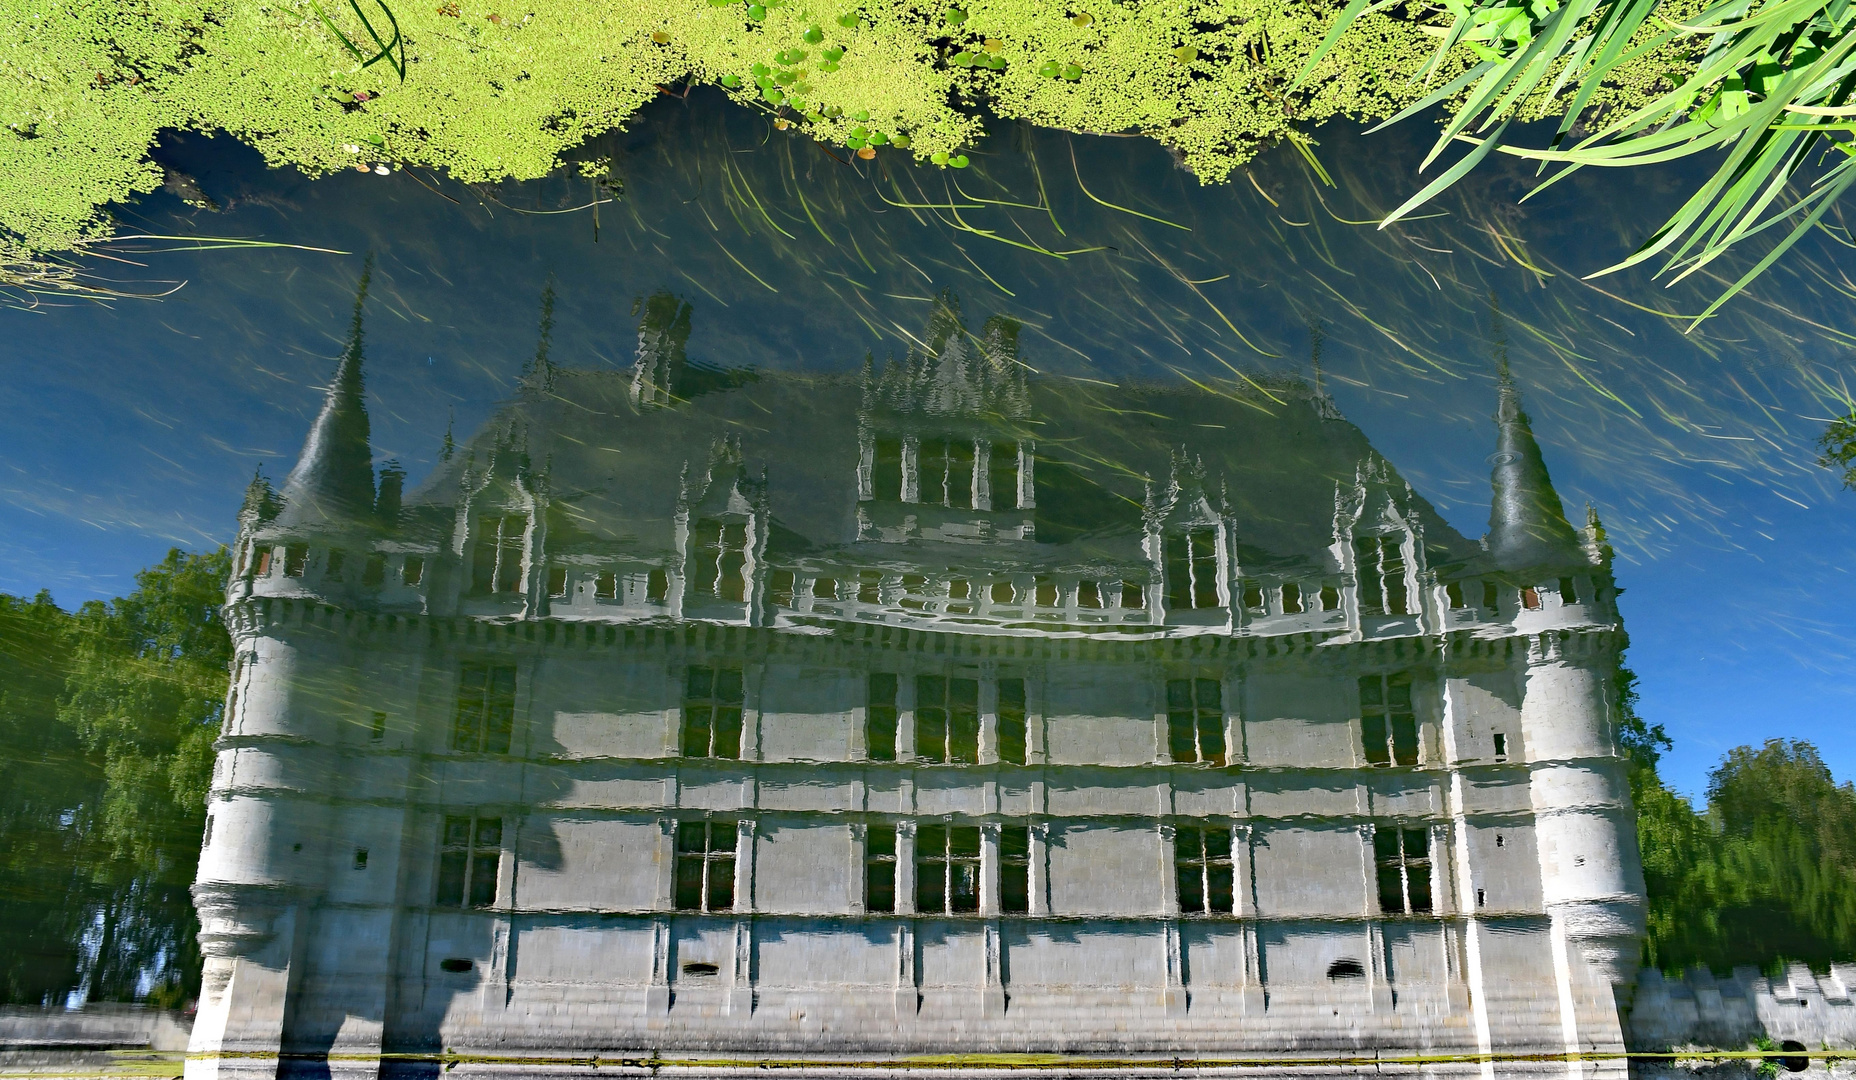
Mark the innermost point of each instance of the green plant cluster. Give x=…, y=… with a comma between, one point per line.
x=488, y=89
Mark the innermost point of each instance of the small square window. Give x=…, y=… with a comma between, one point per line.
x=412, y=571
x=1088, y=594
x=712, y=701
x=656, y=587
x=1454, y=593
x=360, y=858
x=1291, y=598
x=1330, y=598
x=557, y=581
x=825, y=588
x=1133, y=596
x=1004, y=592
x=780, y=589
x=296, y=559
x=606, y=585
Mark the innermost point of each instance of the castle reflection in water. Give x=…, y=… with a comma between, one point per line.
x=732, y=716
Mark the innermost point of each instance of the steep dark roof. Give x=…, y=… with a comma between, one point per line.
x=333, y=482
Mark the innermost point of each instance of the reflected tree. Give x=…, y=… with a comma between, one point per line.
x=1838, y=448
x=108, y=715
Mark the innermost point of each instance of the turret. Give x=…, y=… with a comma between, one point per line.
x=1591, y=879
x=333, y=482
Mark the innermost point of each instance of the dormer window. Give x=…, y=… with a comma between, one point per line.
x=1192, y=569
x=496, y=554
x=946, y=473
x=718, y=560
x=1379, y=563
x=886, y=470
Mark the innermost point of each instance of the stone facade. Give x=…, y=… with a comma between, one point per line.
x=732, y=716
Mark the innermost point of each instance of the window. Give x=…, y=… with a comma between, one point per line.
x=557, y=581
x=264, y=563
x=1379, y=565
x=947, y=719
x=374, y=571
x=1015, y=869
x=332, y=566
x=486, y=708
x=960, y=596
x=1133, y=596
x=1388, y=725
x=1491, y=595
x=1004, y=592
x=1291, y=598
x=712, y=713
x=914, y=590
x=1253, y=598
x=886, y=470
x=946, y=471
x=1330, y=598
x=718, y=559
x=496, y=555
x=1192, y=569
x=1501, y=747
x=1012, y=721
x=1530, y=598
x=880, y=717
x=1195, y=721
x=296, y=559
x=1403, y=855
x=657, y=586
x=470, y=852
x=824, y=588
x=780, y=589
x=705, y=866
x=1045, y=590
x=1088, y=594
x=412, y=570
x=606, y=586
x=1569, y=591
x=880, y=868
x=378, y=729
x=1453, y=592
x=1202, y=861
x=947, y=869
x=1002, y=475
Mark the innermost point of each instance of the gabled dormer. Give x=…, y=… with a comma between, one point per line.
x=1190, y=544
x=498, y=536
x=721, y=528
x=1379, y=544
x=943, y=442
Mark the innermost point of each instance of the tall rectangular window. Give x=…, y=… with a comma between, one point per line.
x=1191, y=569
x=486, y=708
x=1379, y=564
x=880, y=868
x=947, y=473
x=374, y=571
x=947, y=869
x=1002, y=475
x=718, y=559
x=947, y=719
x=1291, y=598
x=705, y=866
x=1202, y=862
x=1403, y=857
x=880, y=716
x=496, y=554
x=1195, y=721
x=1015, y=869
x=470, y=851
x=1012, y=721
x=1388, y=722
x=296, y=559
x=780, y=589
x=412, y=570
x=886, y=470
x=712, y=700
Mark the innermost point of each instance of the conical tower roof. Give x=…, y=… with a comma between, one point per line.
x=333, y=482
x=1527, y=524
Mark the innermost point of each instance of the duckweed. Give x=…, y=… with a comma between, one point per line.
x=85, y=85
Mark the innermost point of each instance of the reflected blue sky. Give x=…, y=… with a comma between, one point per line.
x=135, y=426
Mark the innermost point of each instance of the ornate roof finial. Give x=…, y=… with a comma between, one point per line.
x=538, y=374
x=334, y=476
